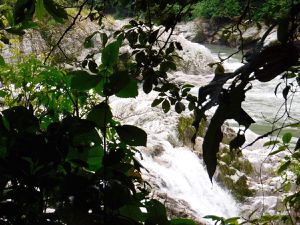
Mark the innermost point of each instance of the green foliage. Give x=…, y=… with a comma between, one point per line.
x=217, y=9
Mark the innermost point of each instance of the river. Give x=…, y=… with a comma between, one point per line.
x=261, y=101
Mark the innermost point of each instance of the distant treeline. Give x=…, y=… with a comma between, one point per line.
x=257, y=10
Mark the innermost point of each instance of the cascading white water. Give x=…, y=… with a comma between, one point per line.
x=180, y=173
x=176, y=172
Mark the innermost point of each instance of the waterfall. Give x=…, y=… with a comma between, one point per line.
x=176, y=174
x=180, y=173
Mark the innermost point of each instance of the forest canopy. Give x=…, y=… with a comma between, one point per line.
x=65, y=158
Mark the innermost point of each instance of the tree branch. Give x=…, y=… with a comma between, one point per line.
x=66, y=31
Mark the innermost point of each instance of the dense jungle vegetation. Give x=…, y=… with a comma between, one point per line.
x=65, y=158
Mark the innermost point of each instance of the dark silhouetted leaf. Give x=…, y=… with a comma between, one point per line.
x=153, y=36
x=130, y=90
x=133, y=212
x=286, y=91
x=93, y=67
x=211, y=143
x=24, y=10
x=104, y=39
x=88, y=42
x=147, y=85
x=132, y=135
x=182, y=222
x=238, y=141
x=56, y=11
x=156, y=102
x=116, y=194
x=178, y=46
x=179, y=107
x=100, y=114
x=166, y=106
x=82, y=80
x=156, y=213
x=283, y=30
x=167, y=65
x=110, y=54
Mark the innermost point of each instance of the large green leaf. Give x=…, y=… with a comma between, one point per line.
x=286, y=138
x=110, y=54
x=82, y=80
x=132, y=135
x=56, y=11
x=130, y=90
x=20, y=119
x=121, y=85
x=95, y=156
x=2, y=61
x=156, y=213
x=100, y=114
x=181, y=221
x=133, y=212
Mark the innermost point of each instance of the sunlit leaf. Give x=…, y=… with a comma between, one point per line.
x=232, y=221
x=2, y=61
x=3, y=93
x=276, y=151
x=270, y=143
x=39, y=9
x=286, y=138
x=284, y=167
